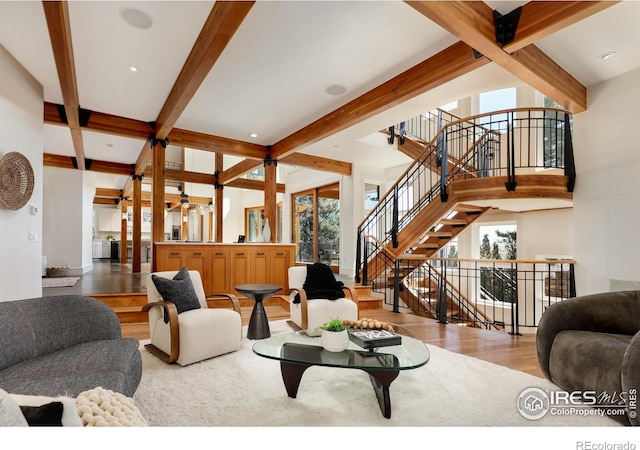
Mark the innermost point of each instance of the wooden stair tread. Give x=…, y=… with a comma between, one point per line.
x=453, y=222
x=467, y=208
x=426, y=245
x=440, y=234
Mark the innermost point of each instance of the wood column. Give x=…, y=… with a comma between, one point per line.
x=183, y=224
x=270, y=189
x=123, y=231
x=157, y=197
x=219, y=197
x=136, y=251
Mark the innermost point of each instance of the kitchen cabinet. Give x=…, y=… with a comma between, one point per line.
x=224, y=266
x=106, y=249
x=97, y=249
x=109, y=219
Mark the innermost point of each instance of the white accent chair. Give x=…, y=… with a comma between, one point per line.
x=194, y=335
x=316, y=312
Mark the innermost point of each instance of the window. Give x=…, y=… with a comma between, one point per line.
x=371, y=197
x=498, y=282
x=553, y=135
x=497, y=100
x=254, y=221
x=316, y=225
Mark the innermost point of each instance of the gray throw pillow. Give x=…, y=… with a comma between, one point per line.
x=179, y=291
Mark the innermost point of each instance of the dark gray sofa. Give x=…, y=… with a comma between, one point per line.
x=592, y=343
x=64, y=345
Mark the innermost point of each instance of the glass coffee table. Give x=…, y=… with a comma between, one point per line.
x=297, y=351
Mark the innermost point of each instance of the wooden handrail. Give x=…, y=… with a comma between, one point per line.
x=509, y=261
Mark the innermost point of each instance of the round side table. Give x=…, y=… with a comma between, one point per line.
x=258, y=323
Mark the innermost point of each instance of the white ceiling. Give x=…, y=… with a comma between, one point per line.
x=271, y=78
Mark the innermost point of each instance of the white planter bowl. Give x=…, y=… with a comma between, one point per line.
x=334, y=341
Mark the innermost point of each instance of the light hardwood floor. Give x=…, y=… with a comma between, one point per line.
x=515, y=352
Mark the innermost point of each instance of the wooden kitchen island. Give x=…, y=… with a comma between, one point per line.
x=224, y=266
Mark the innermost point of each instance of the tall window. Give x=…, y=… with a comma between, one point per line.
x=553, y=135
x=497, y=100
x=316, y=225
x=498, y=282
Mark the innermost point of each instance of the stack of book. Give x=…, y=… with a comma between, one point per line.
x=371, y=338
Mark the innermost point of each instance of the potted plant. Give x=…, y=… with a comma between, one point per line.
x=335, y=337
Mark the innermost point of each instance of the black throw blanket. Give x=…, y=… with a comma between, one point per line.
x=321, y=283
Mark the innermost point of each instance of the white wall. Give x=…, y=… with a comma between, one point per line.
x=547, y=233
x=607, y=192
x=21, y=130
x=67, y=219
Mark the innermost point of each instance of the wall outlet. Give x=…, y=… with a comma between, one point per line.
x=33, y=236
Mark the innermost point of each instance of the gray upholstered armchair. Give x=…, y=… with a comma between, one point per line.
x=593, y=343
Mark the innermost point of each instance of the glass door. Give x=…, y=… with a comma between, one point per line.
x=303, y=226
x=316, y=225
x=328, y=236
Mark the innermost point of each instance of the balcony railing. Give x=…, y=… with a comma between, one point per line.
x=490, y=294
x=502, y=143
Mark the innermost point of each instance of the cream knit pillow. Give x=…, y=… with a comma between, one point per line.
x=100, y=407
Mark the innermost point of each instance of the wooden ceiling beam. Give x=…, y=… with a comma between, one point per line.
x=106, y=201
x=94, y=165
x=221, y=24
x=235, y=172
x=539, y=19
x=62, y=162
x=318, y=163
x=110, y=193
x=189, y=177
x=451, y=63
x=215, y=144
x=111, y=167
x=57, y=16
x=103, y=123
x=473, y=23
x=256, y=185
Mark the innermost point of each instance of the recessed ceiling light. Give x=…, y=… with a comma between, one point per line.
x=253, y=135
x=607, y=55
x=335, y=89
x=133, y=68
x=136, y=18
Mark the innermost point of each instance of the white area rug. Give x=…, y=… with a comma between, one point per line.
x=59, y=282
x=243, y=389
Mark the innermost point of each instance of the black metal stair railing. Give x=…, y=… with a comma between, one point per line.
x=422, y=128
x=452, y=291
x=501, y=143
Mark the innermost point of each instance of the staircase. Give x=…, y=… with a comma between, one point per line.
x=457, y=162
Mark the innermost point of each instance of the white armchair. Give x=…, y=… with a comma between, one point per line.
x=312, y=313
x=193, y=335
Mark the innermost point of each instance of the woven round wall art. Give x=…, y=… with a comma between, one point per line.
x=16, y=180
